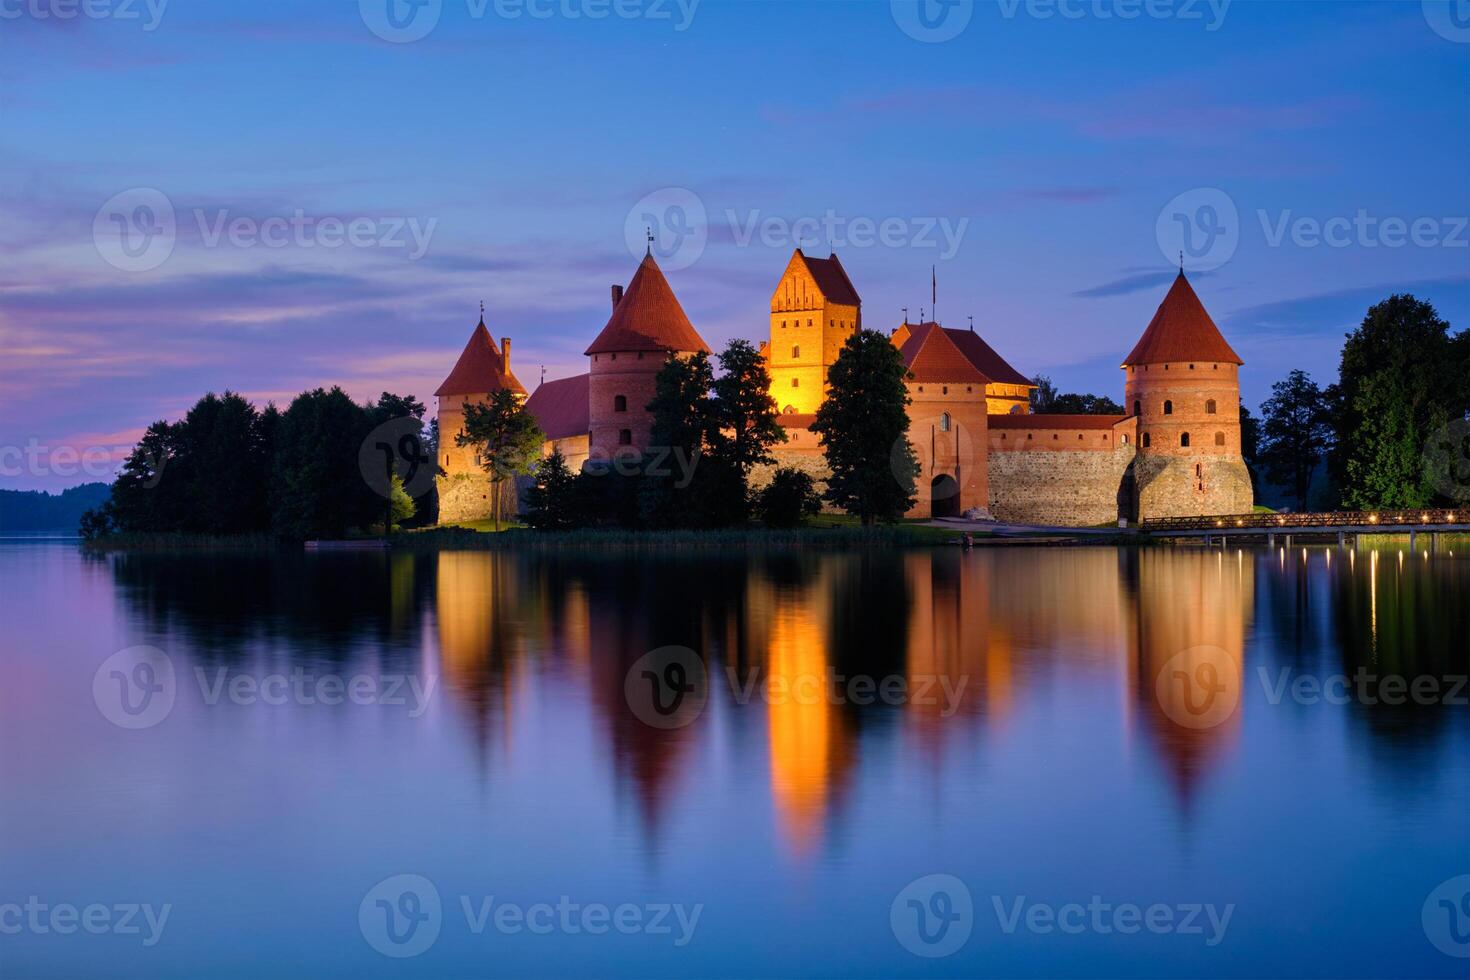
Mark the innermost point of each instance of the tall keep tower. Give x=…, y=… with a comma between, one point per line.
x=464, y=488
x=647, y=327
x=1183, y=384
x=813, y=311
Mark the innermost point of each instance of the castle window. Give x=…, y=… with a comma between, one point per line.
x=1146, y=440
x=446, y=459
x=620, y=403
x=1199, y=470
x=969, y=388
x=1054, y=437
x=944, y=422
x=625, y=437
x=796, y=382
x=783, y=324
x=1210, y=407
x=1214, y=367
x=1079, y=437
x=808, y=321
x=1191, y=367
x=1219, y=438
x=1138, y=408
x=831, y=323
x=1028, y=437
x=640, y=355
x=944, y=390
x=1125, y=438
x=614, y=357
x=1168, y=408
x=1184, y=439
x=796, y=352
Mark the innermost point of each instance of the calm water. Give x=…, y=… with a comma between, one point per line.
x=1052, y=725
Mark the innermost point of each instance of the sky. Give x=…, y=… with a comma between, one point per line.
x=269, y=197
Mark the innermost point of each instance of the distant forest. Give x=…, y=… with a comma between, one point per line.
x=32, y=510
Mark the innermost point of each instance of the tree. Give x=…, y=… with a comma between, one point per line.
x=401, y=505
x=742, y=411
x=554, y=502
x=1296, y=431
x=789, y=498
x=319, y=490
x=864, y=426
x=1250, y=442
x=690, y=477
x=1046, y=400
x=1402, y=377
x=506, y=440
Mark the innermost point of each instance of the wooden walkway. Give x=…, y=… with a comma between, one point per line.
x=1341, y=524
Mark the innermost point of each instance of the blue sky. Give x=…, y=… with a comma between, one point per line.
x=1033, y=157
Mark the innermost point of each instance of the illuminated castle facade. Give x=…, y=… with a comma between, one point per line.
x=981, y=452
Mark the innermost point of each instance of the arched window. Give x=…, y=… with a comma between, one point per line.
x=625, y=437
x=944, y=422
x=1168, y=408
x=796, y=352
x=1219, y=438
x=789, y=410
x=1137, y=407
x=620, y=403
x=1210, y=407
x=1184, y=439
x=1145, y=440
x=796, y=382
x=1125, y=438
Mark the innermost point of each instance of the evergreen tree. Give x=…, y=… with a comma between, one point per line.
x=789, y=498
x=744, y=414
x=1296, y=430
x=554, y=502
x=505, y=438
x=1046, y=400
x=319, y=488
x=864, y=426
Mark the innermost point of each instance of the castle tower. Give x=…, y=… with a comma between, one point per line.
x=464, y=487
x=647, y=327
x=813, y=311
x=1183, y=384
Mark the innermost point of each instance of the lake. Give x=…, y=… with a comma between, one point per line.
x=1029, y=762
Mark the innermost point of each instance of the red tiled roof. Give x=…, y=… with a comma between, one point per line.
x=1054, y=421
x=831, y=279
x=560, y=407
x=648, y=317
x=932, y=356
x=796, y=421
x=1181, y=330
x=984, y=357
x=479, y=369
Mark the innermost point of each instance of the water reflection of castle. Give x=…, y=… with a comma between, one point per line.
x=534, y=650
x=988, y=627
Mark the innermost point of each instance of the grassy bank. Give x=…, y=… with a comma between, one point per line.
x=820, y=533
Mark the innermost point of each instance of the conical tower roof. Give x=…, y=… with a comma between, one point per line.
x=480, y=369
x=1181, y=330
x=648, y=317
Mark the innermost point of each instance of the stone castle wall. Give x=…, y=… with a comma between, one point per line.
x=468, y=497
x=1068, y=488
x=1176, y=486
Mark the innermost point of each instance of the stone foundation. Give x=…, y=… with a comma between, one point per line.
x=809, y=461
x=1180, y=486
x=468, y=497
x=1065, y=488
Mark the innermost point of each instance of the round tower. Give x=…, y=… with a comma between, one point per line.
x=1183, y=384
x=647, y=327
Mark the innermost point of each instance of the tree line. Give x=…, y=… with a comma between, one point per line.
x=315, y=470
x=1391, y=429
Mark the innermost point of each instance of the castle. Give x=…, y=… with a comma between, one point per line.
x=981, y=451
